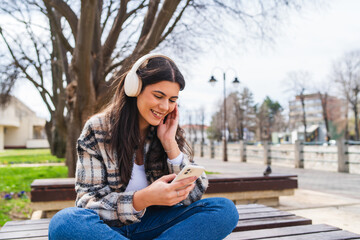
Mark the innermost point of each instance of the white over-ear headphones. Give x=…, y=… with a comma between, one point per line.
x=133, y=82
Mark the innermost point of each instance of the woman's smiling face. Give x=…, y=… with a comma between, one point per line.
x=156, y=101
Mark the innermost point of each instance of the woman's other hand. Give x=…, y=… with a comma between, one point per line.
x=166, y=132
x=161, y=192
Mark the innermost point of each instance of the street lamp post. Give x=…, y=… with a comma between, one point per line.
x=236, y=82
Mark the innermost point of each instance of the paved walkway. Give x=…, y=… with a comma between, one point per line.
x=325, y=197
x=32, y=164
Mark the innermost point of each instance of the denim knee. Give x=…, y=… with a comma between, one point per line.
x=65, y=222
x=227, y=213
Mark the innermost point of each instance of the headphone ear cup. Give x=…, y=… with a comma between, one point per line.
x=132, y=84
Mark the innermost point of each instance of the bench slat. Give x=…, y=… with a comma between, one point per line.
x=23, y=234
x=53, y=182
x=279, y=232
x=250, y=206
x=260, y=215
x=274, y=222
x=333, y=235
x=53, y=194
x=36, y=238
x=26, y=227
x=214, y=178
x=258, y=185
x=22, y=222
x=256, y=210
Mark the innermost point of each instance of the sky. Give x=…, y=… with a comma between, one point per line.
x=309, y=41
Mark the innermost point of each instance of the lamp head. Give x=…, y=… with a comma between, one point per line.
x=236, y=82
x=212, y=81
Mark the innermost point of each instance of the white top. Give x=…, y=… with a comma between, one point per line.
x=138, y=177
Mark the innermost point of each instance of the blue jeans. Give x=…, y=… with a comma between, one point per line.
x=210, y=218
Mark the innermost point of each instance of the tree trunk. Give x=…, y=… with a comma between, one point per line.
x=241, y=130
x=356, y=122
x=324, y=99
x=56, y=128
x=74, y=131
x=302, y=98
x=347, y=121
x=48, y=127
x=269, y=129
x=59, y=136
x=82, y=105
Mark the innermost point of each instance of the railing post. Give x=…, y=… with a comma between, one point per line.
x=212, y=149
x=267, y=159
x=299, y=154
x=343, y=156
x=202, y=148
x=242, y=151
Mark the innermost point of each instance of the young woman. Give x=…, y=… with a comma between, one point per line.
x=127, y=157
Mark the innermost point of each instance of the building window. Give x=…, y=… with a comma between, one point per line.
x=39, y=132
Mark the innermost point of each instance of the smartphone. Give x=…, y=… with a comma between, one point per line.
x=164, y=121
x=189, y=171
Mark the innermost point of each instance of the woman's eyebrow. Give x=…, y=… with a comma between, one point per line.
x=157, y=91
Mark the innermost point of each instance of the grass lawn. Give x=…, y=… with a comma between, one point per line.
x=13, y=180
x=14, y=209
x=12, y=156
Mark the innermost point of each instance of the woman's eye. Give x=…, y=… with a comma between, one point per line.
x=172, y=100
x=159, y=97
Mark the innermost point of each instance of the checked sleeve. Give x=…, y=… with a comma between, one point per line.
x=97, y=180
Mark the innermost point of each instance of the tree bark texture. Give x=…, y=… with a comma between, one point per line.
x=81, y=69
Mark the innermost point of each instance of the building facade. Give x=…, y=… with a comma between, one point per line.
x=20, y=127
x=316, y=129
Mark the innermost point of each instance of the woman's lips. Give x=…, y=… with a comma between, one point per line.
x=157, y=114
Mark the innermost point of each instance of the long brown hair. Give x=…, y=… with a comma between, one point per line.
x=124, y=133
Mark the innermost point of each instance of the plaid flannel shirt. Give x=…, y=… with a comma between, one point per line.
x=98, y=183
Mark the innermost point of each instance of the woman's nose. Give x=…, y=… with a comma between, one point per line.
x=164, y=105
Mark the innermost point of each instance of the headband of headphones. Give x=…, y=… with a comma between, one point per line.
x=133, y=82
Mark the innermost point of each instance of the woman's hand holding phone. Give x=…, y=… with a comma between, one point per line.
x=161, y=192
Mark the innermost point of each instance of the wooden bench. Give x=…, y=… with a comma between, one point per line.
x=254, y=189
x=50, y=195
x=255, y=222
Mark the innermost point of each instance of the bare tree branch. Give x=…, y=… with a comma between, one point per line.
x=42, y=90
x=65, y=10
x=109, y=12
x=110, y=43
x=51, y=16
x=175, y=22
x=113, y=35
x=8, y=77
x=113, y=66
x=158, y=26
x=148, y=20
